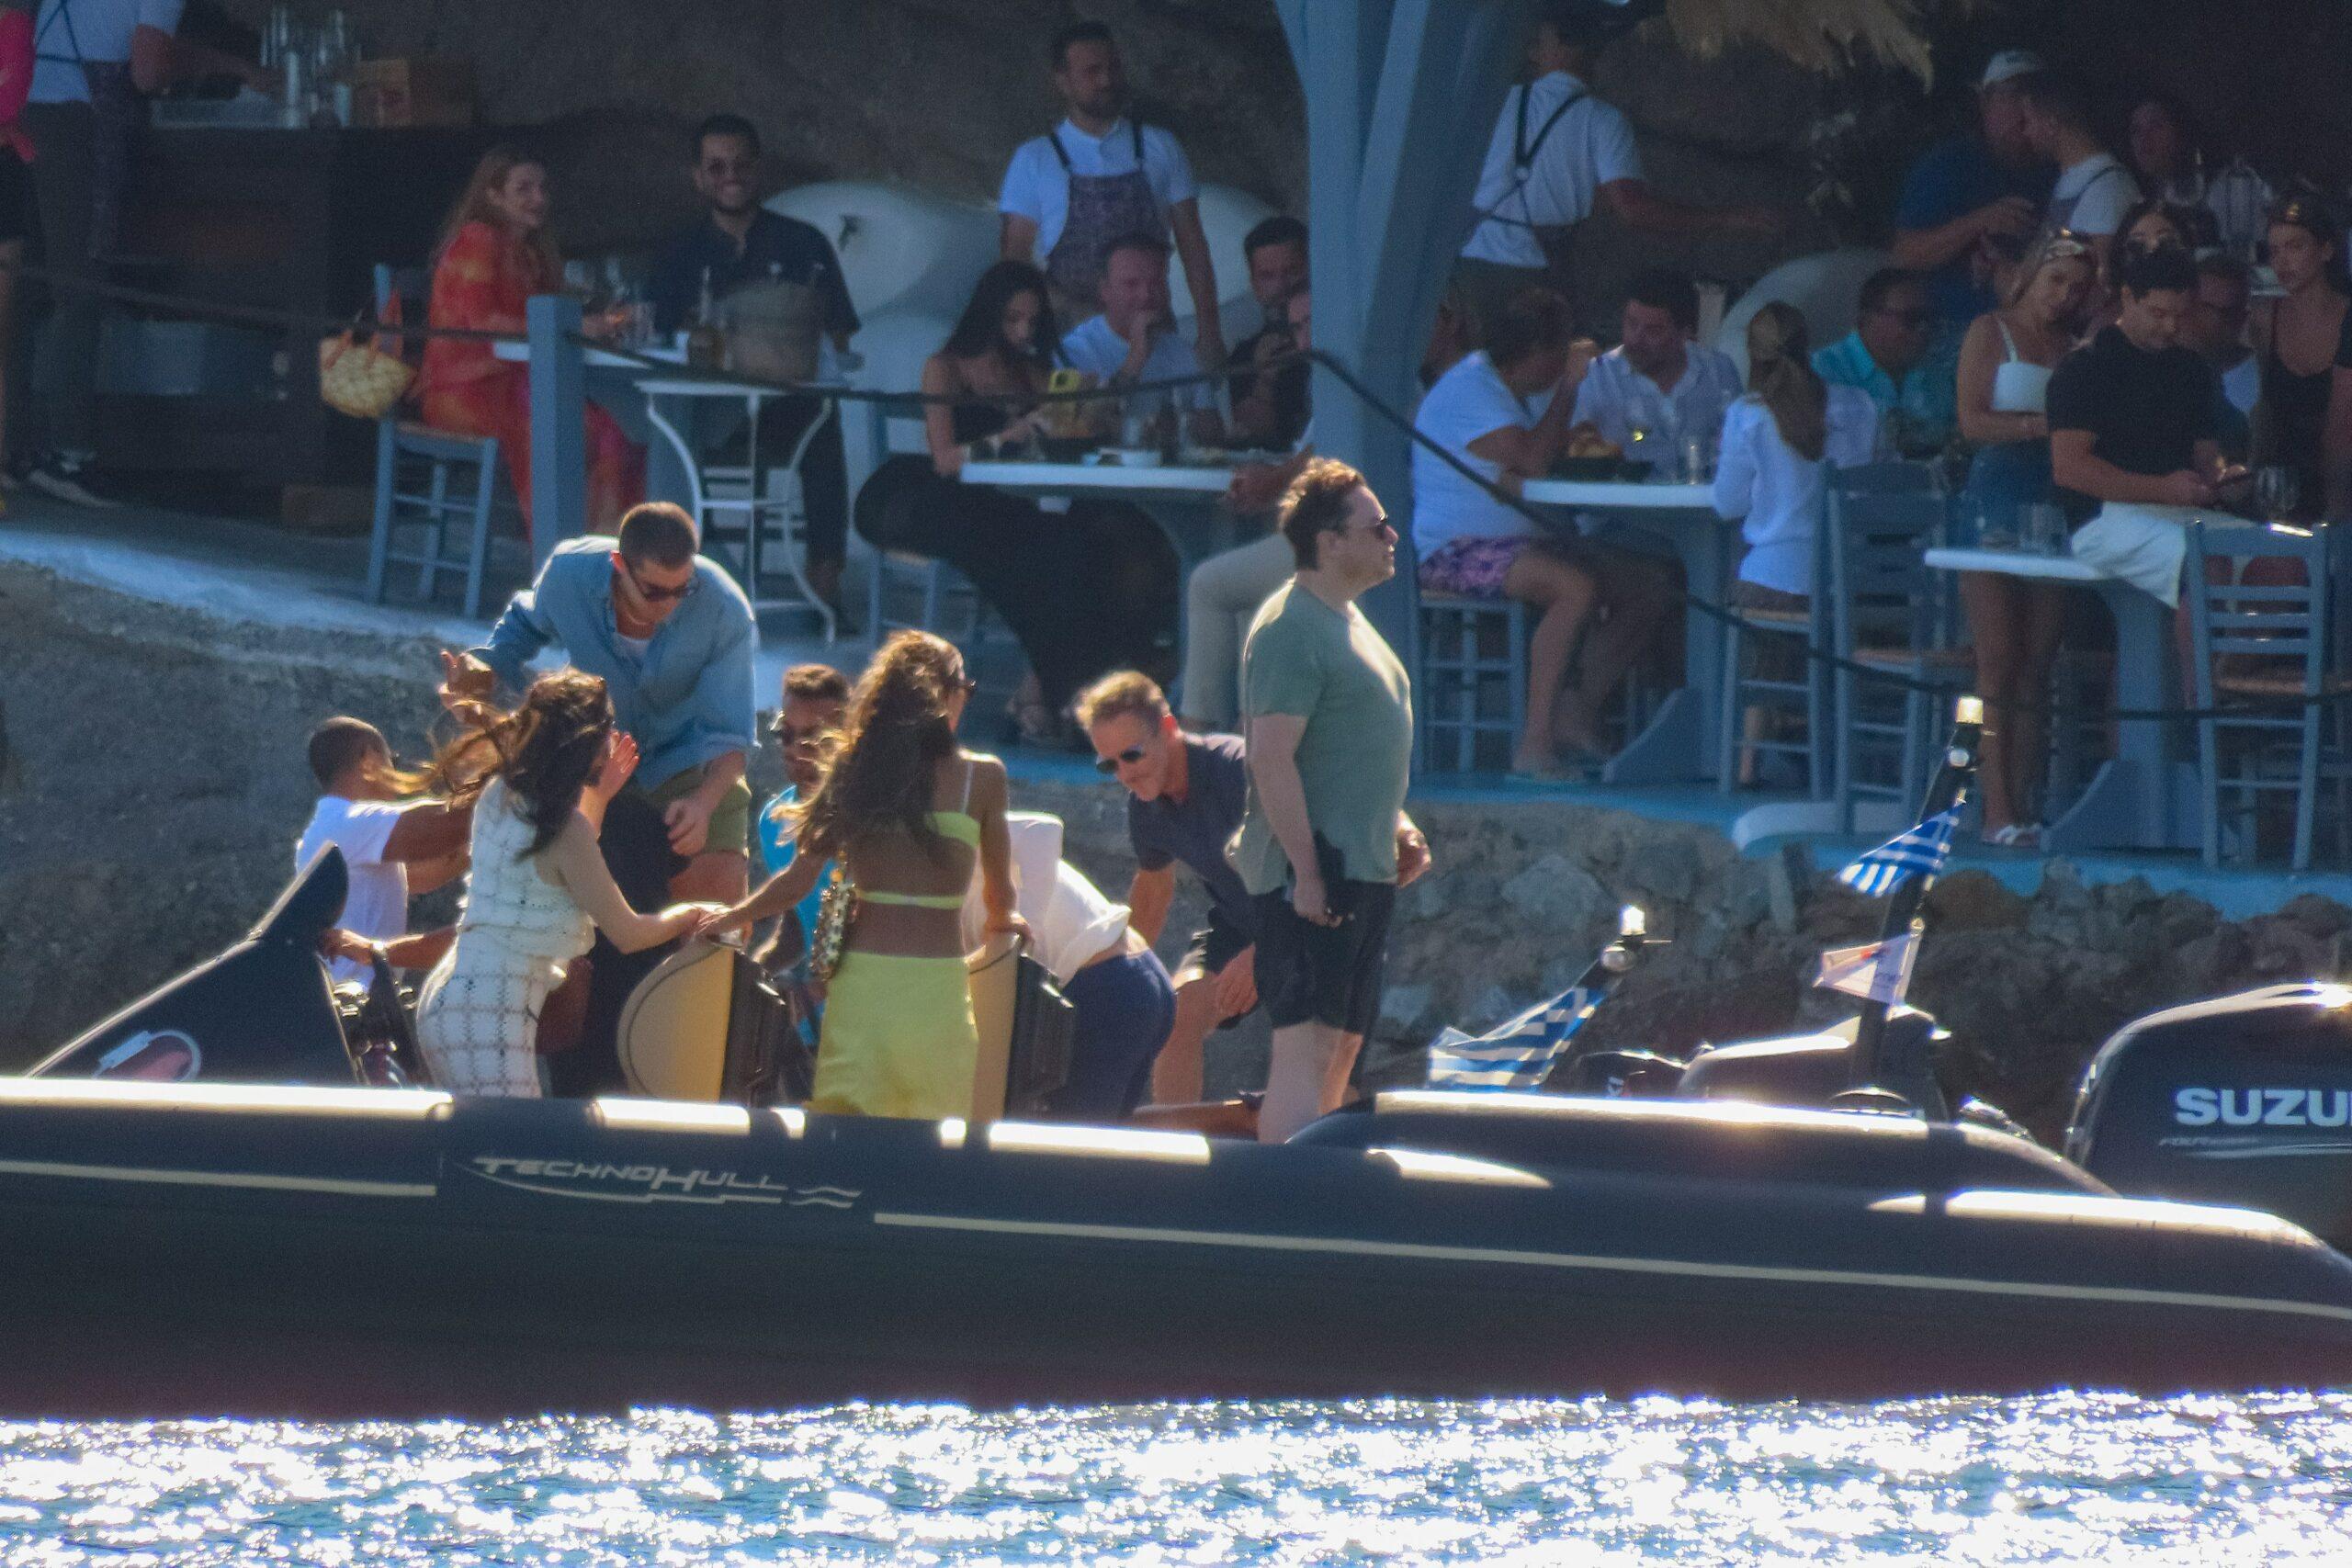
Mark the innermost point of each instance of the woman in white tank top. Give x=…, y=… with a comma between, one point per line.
x=2005, y=367
x=537, y=890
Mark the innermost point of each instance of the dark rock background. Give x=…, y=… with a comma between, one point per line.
x=158, y=785
x=937, y=93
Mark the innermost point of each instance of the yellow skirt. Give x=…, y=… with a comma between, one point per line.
x=898, y=1039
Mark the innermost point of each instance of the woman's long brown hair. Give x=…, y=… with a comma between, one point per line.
x=547, y=751
x=880, y=771
x=1782, y=377
x=473, y=205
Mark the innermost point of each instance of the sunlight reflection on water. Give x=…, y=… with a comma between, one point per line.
x=2063, y=1478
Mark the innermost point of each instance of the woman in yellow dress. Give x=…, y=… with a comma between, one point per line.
x=907, y=812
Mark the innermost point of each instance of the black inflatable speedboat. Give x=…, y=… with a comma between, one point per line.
x=177, y=1240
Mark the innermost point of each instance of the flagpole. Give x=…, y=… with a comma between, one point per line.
x=1948, y=788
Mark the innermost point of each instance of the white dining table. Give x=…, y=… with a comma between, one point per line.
x=687, y=480
x=2145, y=798
x=1186, y=499
x=1679, y=745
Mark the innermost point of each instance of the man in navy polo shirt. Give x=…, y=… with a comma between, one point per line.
x=740, y=244
x=1186, y=794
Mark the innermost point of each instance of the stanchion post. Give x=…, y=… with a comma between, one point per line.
x=559, y=425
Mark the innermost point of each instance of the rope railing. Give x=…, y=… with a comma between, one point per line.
x=304, y=321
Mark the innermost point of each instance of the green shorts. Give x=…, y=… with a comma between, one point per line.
x=731, y=821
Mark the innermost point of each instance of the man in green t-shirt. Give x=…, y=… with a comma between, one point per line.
x=1325, y=842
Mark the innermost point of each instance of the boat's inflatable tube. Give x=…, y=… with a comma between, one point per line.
x=233, y=1248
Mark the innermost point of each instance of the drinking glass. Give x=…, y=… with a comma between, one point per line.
x=1997, y=526
x=2045, y=529
x=1698, y=459
x=2278, y=492
x=1638, y=445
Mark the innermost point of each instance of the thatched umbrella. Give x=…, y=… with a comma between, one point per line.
x=1818, y=35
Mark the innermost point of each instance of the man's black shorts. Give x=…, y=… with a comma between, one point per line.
x=1214, y=946
x=1328, y=974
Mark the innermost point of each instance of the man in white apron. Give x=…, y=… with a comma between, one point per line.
x=1097, y=177
x=2132, y=438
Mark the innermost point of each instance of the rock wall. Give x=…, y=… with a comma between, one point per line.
x=937, y=94
x=155, y=784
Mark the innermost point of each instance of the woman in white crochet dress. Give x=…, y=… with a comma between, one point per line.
x=539, y=890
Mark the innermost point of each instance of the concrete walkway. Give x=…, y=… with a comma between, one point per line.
x=259, y=575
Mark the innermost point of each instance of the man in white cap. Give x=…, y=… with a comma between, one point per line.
x=1971, y=193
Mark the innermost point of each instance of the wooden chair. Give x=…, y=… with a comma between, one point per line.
x=428, y=480
x=2264, y=645
x=1472, y=679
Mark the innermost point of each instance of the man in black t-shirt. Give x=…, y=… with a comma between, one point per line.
x=740, y=244
x=1186, y=794
x=2132, y=443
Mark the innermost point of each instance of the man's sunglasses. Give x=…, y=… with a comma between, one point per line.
x=653, y=596
x=1109, y=766
x=1918, y=318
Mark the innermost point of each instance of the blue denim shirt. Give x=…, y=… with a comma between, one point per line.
x=686, y=700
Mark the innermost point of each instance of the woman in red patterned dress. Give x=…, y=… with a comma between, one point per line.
x=496, y=253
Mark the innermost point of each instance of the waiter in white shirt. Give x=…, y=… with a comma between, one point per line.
x=1557, y=152
x=1097, y=176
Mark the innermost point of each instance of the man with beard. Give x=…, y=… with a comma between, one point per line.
x=1098, y=176
x=740, y=244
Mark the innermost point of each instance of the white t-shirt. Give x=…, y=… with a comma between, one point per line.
x=69, y=31
x=1615, y=397
x=1094, y=348
x=1069, y=915
x=378, y=906
x=1036, y=186
x=1469, y=402
x=1782, y=496
x=1591, y=146
x=2092, y=197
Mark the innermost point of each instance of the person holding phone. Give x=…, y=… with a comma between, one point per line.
x=1325, y=842
x=2133, y=444
x=1082, y=590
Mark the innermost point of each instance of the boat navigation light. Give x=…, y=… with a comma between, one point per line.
x=1969, y=710
x=1631, y=921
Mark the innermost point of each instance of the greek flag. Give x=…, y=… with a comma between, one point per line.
x=1921, y=852
x=1517, y=1054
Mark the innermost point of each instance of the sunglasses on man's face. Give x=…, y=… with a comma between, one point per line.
x=1918, y=318
x=1109, y=766
x=657, y=595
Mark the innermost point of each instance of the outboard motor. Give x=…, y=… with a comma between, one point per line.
x=261, y=1012
x=2243, y=1100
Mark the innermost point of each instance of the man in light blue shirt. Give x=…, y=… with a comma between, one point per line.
x=672, y=638
x=1887, y=357
x=1130, y=341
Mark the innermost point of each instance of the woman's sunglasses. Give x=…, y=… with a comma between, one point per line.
x=1109, y=766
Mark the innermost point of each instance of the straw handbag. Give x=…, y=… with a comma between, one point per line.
x=358, y=377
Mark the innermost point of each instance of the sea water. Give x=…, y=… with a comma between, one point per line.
x=2057, y=1478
